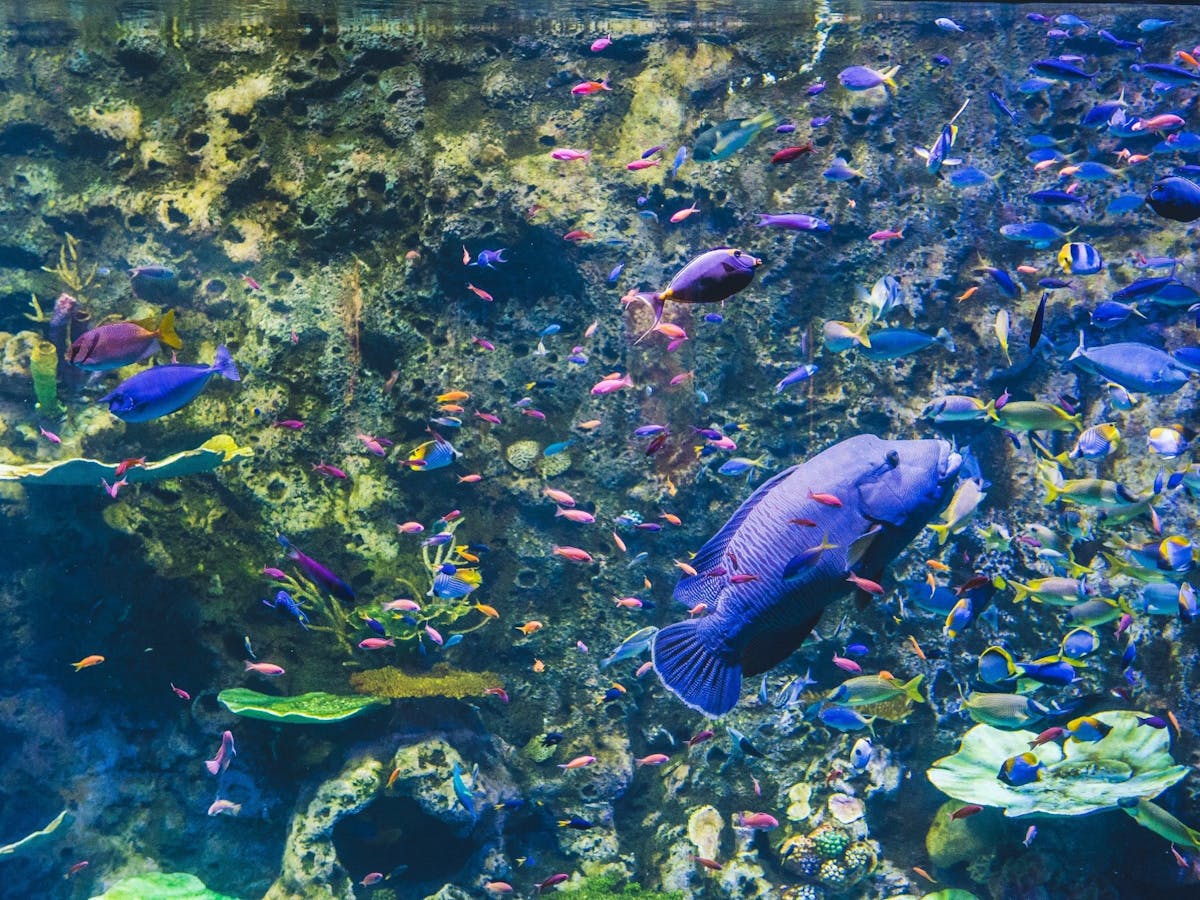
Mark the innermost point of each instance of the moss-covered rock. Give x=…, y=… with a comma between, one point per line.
x=442, y=681
x=952, y=841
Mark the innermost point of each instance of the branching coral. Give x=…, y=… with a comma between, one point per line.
x=69, y=271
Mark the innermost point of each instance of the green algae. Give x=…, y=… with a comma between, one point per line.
x=442, y=681
x=161, y=886
x=214, y=452
x=316, y=708
x=609, y=884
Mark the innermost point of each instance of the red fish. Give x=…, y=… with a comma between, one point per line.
x=1050, y=734
x=964, y=811
x=480, y=292
x=787, y=154
x=578, y=235
x=824, y=499
x=126, y=464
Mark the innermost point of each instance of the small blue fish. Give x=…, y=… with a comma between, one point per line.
x=1123, y=204
x=1110, y=313
x=803, y=373
x=489, y=258
x=162, y=390
x=1039, y=235
x=375, y=625
x=715, y=318
x=615, y=273
x=1024, y=768
x=1080, y=642
x=941, y=60
x=680, y=157
x=283, y=600
x=557, y=448
x=785, y=128
x=1055, y=198
x=819, y=121
x=842, y=718
x=947, y=24
x=857, y=650
x=739, y=465
x=1003, y=280
x=1034, y=85
x=894, y=343
x=464, y=794
x=1000, y=108
x=447, y=421
x=449, y=585
x=1149, y=26
x=552, y=328
x=840, y=170
x=968, y=176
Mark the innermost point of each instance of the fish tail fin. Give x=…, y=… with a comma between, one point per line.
x=943, y=338
x=861, y=336
x=1022, y=591
x=212, y=765
x=223, y=364
x=166, y=330
x=889, y=77
x=692, y=672
x=990, y=410
x=912, y=689
x=1080, y=350
x=1052, y=491
x=766, y=119
x=657, y=303
x=942, y=531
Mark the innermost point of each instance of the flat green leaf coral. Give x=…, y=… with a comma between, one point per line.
x=161, y=886
x=214, y=452
x=37, y=838
x=317, y=708
x=1080, y=778
x=441, y=681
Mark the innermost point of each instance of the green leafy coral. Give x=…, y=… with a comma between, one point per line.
x=161, y=886
x=214, y=452
x=1132, y=761
x=316, y=708
x=441, y=681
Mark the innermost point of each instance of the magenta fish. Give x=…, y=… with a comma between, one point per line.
x=225, y=755
x=318, y=573
x=122, y=343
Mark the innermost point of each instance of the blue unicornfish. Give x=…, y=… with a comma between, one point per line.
x=161, y=390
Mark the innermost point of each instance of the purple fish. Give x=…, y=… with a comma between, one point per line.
x=120, y=344
x=649, y=430
x=162, y=390
x=711, y=277
x=862, y=78
x=318, y=573
x=793, y=221
x=889, y=489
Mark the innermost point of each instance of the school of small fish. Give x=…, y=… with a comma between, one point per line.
x=1109, y=568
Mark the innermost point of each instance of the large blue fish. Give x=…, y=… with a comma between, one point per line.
x=161, y=390
x=711, y=277
x=887, y=490
x=1139, y=368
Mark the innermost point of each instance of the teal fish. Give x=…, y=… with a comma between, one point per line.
x=634, y=645
x=722, y=141
x=464, y=794
x=893, y=343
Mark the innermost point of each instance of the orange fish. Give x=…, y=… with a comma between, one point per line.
x=392, y=778
x=968, y=293
x=824, y=499
x=451, y=408
x=1027, y=270
x=451, y=396
x=685, y=568
x=589, y=425
x=937, y=565
x=489, y=611
x=917, y=647
x=672, y=518
x=1188, y=58
x=480, y=293
x=924, y=874
x=538, y=665
x=466, y=256
x=620, y=543
x=529, y=627
x=88, y=661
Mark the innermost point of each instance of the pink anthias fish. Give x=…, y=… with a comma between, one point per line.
x=227, y=807
x=224, y=757
x=609, y=385
x=682, y=377
x=886, y=235
x=263, y=668
x=654, y=759
x=376, y=445
x=578, y=762
x=180, y=692
x=562, y=498
x=403, y=604
x=434, y=635
x=600, y=44
x=410, y=527
x=50, y=435
x=374, y=643
x=572, y=553
x=682, y=214
x=760, y=820
x=575, y=515
x=251, y=283
x=567, y=154
x=639, y=164
x=332, y=471
x=289, y=424
x=276, y=574
x=483, y=344
x=847, y=665
x=112, y=489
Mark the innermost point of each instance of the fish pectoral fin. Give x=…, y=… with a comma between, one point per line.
x=771, y=647
x=860, y=545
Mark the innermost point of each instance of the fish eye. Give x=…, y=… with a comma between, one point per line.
x=737, y=253
x=893, y=458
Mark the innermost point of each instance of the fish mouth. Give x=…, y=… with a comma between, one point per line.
x=949, y=462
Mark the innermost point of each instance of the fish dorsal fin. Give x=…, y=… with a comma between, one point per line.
x=712, y=553
x=698, y=588
x=860, y=545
